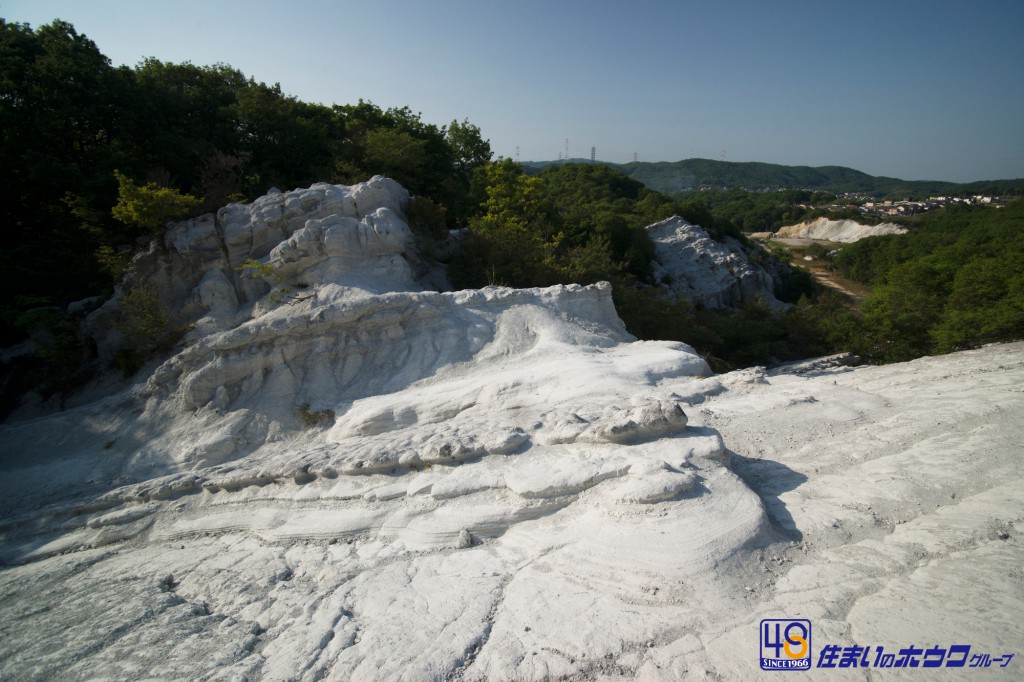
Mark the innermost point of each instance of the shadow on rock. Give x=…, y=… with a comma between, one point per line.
x=769, y=479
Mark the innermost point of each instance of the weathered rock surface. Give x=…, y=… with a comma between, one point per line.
x=708, y=273
x=377, y=482
x=845, y=231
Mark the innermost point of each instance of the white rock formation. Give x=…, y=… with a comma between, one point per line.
x=844, y=231
x=712, y=274
x=349, y=237
x=497, y=484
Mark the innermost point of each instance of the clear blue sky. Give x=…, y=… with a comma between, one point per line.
x=916, y=89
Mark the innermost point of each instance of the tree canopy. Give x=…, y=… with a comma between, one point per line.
x=150, y=207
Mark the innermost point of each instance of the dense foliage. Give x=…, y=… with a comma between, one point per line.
x=79, y=137
x=954, y=281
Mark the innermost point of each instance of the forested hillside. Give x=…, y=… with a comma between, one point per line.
x=955, y=281
x=761, y=211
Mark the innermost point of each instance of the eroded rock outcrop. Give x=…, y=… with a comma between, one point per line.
x=371, y=374
x=334, y=459
x=708, y=273
x=353, y=237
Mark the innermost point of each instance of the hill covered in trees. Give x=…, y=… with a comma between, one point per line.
x=694, y=174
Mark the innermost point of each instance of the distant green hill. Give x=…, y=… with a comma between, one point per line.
x=692, y=174
x=698, y=173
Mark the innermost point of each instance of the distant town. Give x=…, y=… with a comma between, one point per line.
x=871, y=206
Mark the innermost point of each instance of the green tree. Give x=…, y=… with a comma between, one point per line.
x=286, y=142
x=985, y=304
x=468, y=148
x=150, y=207
x=469, y=153
x=397, y=154
x=513, y=232
x=147, y=327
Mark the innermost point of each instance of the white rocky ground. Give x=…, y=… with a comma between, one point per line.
x=843, y=231
x=499, y=484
